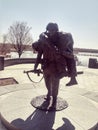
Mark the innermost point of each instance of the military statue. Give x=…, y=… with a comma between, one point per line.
x=55, y=53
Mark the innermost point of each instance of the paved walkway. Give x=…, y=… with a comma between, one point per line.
x=82, y=111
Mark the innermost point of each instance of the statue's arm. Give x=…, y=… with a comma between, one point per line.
x=38, y=60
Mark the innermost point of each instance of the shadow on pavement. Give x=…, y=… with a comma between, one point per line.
x=66, y=126
x=41, y=120
x=38, y=120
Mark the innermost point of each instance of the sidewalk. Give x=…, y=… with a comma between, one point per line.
x=82, y=111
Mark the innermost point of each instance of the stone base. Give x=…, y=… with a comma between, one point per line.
x=39, y=102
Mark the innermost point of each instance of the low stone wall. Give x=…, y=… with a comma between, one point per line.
x=8, y=62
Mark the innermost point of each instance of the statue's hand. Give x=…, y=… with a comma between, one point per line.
x=42, y=36
x=35, y=70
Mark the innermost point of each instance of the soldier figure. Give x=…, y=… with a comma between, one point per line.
x=56, y=48
x=64, y=43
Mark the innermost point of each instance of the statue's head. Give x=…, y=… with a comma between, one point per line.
x=51, y=31
x=52, y=27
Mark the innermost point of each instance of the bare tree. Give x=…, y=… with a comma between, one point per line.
x=4, y=48
x=19, y=36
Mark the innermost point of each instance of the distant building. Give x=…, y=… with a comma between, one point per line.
x=77, y=50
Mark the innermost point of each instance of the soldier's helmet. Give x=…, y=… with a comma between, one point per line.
x=52, y=27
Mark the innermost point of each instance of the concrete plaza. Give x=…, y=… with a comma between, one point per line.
x=82, y=99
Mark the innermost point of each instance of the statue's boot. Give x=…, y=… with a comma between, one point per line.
x=47, y=98
x=72, y=81
x=53, y=106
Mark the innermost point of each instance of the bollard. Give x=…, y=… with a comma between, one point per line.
x=1, y=62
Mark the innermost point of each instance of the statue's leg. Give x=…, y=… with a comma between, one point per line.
x=55, y=88
x=47, y=79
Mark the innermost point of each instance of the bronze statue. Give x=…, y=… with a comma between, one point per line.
x=53, y=66
x=56, y=48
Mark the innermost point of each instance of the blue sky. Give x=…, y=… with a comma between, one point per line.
x=78, y=17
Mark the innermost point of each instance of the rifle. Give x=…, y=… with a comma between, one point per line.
x=38, y=72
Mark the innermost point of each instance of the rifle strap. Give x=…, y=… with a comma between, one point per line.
x=32, y=80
